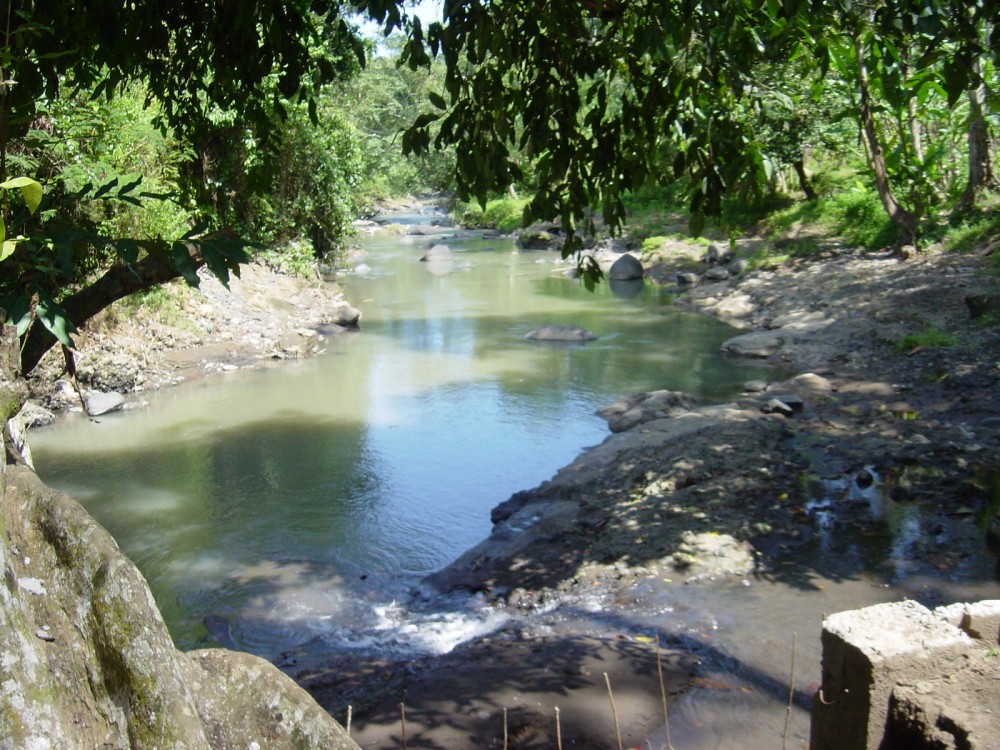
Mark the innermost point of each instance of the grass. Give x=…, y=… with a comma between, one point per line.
x=929, y=338
x=502, y=214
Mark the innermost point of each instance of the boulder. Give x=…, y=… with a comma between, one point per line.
x=86, y=660
x=738, y=266
x=347, y=315
x=687, y=278
x=33, y=415
x=561, y=333
x=757, y=344
x=626, y=268
x=717, y=255
x=717, y=274
x=706, y=554
x=536, y=239
x=99, y=403
x=638, y=408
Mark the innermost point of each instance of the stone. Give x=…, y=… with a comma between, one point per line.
x=638, y=408
x=717, y=274
x=716, y=254
x=739, y=266
x=687, y=278
x=709, y=553
x=755, y=386
x=793, y=402
x=33, y=415
x=809, y=382
x=347, y=315
x=626, y=268
x=561, y=333
x=86, y=660
x=438, y=254
x=777, y=406
x=99, y=403
x=538, y=239
x=866, y=652
x=362, y=269
x=759, y=344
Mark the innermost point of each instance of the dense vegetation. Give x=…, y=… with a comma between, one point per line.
x=170, y=136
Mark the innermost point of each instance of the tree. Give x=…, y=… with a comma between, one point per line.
x=598, y=94
x=194, y=59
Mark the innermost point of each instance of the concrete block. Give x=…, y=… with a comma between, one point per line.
x=865, y=653
x=982, y=621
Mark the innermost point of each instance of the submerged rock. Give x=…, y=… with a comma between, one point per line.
x=561, y=333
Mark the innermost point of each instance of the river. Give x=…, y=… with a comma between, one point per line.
x=299, y=505
x=273, y=506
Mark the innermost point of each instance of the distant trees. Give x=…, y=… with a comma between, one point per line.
x=605, y=97
x=114, y=107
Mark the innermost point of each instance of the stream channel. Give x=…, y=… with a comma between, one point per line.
x=298, y=505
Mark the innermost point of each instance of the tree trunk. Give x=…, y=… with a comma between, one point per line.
x=981, y=174
x=120, y=281
x=800, y=171
x=905, y=221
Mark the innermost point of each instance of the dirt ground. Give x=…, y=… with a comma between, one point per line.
x=919, y=419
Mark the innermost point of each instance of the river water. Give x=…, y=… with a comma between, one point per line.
x=300, y=504
x=276, y=505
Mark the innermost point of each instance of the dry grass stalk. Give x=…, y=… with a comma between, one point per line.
x=402, y=722
x=505, y=735
x=349, y=711
x=558, y=731
x=791, y=697
x=663, y=694
x=614, y=710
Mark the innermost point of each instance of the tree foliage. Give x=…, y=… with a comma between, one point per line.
x=608, y=95
x=260, y=67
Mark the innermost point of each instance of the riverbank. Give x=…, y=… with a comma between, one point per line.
x=265, y=316
x=877, y=464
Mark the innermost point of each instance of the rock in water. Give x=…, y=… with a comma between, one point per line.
x=437, y=254
x=561, y=333
x=99, y=403
x=626, y=268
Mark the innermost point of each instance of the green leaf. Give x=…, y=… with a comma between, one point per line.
x=54, y=318
x=437, y=100
x=31, y=191
x=8, y=248
x=18, y=312
x=185, y=263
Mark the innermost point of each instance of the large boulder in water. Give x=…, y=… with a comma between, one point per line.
x=561, y=333
x=626, y=268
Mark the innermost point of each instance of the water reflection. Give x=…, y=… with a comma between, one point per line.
x=274, y=506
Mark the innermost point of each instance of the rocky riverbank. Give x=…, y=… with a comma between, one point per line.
x=893, y=415
x=263, y=317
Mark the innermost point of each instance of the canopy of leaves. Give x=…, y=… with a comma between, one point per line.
x=607, y=95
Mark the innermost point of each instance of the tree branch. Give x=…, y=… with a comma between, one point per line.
x=120, y=281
